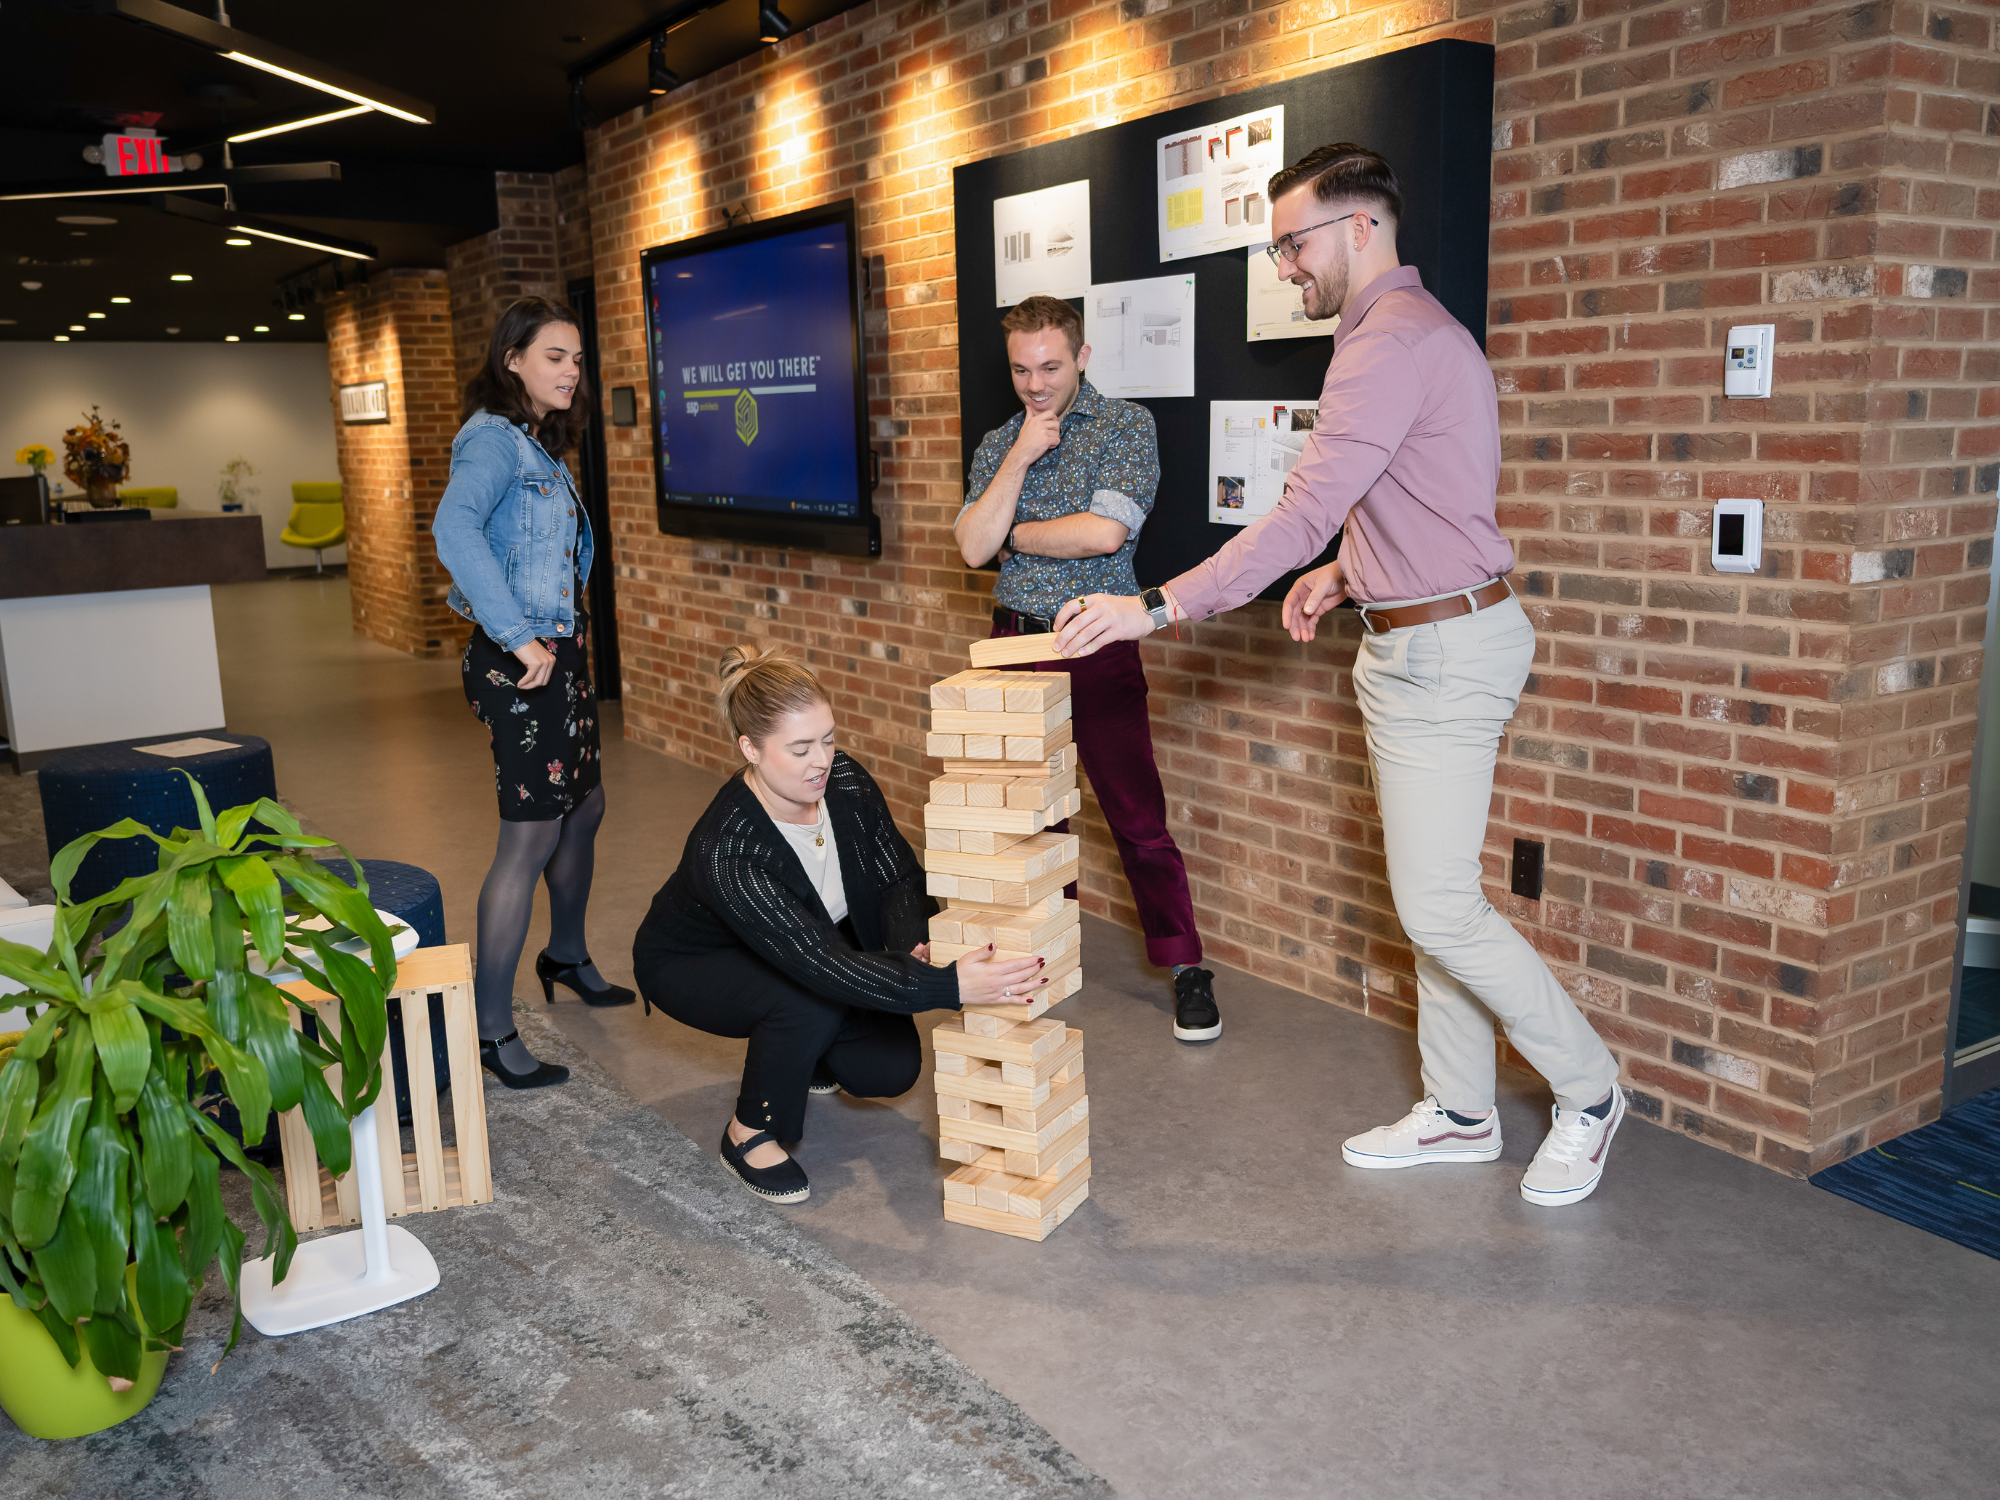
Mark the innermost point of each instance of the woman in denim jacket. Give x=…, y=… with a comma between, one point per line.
x=514, y=537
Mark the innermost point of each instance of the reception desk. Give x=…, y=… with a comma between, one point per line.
x=107, y=631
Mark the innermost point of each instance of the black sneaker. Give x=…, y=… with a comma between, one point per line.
x=1196, y=1018
x=784, y=1183
x=822, y=1081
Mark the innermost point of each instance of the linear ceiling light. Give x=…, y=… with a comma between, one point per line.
x=338, y=114
x=326, y=88
x=158, y=187
x=284, y=234
x=254, y=52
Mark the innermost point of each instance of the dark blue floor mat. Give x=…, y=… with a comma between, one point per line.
x=1978, y=1007
x=1944, y=1177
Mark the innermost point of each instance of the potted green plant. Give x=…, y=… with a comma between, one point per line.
x=234, y=473
x=110, y=1201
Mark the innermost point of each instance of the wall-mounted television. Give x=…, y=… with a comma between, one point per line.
x=753, y=342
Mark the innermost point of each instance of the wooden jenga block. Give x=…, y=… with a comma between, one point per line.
x=1014, y=650
x=1030, y=692
x=1048, y=1068
x=945, y=839
x=1026, y=861
x=1073, y=1143
x=945, y=747
x=1026, y=1043
x=987, y=791
x=957, y=1064
x=964, y=721
x=983, y=841
x=1010, y=931
x=949, y=790
x=970, y=1151
x=1007, y=893
x=992, y=1020
x=1037, y=792
x=954, y=1107
x=1059, y=944
x=1060, y=762
x=1001, y=1191
x=1031, y=748
x=953, y=692
x=1018, y=820
x=1060, y=1108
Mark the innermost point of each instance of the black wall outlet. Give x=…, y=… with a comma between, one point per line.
x=1527, y=874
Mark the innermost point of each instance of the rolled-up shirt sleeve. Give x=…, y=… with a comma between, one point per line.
x=1371, y=398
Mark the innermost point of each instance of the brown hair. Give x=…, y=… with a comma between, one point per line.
x=1343, y=171
x=760, y=686
x=1033, y=314
x=499, y=390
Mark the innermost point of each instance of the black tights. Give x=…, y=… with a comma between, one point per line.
x=560, y=851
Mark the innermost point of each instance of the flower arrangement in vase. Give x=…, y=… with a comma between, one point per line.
x=97, y=458
x=36, y=456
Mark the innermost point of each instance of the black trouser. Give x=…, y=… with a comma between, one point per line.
x=872, y=1054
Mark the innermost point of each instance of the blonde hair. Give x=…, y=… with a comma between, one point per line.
x=760, y=686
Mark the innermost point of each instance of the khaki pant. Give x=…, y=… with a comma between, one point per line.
x=1434, y=699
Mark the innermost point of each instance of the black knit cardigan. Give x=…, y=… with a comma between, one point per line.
x=740, y=885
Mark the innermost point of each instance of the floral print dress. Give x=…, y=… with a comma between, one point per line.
x=546, y=757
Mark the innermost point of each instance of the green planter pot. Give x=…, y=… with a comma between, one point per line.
x=46, y=1398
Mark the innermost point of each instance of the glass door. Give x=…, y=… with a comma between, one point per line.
x=1975, y=1014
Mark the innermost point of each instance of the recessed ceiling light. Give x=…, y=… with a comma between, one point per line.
x=180, y=276
x=31, y=286
x=121, y=301
x=244, y=243
x=62, y=338
x=173, y=330
x=230, y=338
x=96, y=315
x=79, y=234
x=8, y=322
x=76, y=328
x=262, y=328
x=296, y=317
x=83, y=219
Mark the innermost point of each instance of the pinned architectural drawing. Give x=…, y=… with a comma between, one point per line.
x=1253, y=447
x=1273, y=307
x=1213, y=183
x=1141, y=336
x=1041, y=243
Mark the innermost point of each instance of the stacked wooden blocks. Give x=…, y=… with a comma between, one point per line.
x=1011, y=1103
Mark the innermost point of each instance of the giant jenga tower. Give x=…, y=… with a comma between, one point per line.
x=1010, y=1087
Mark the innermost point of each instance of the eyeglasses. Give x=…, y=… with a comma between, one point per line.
x=1287, y=247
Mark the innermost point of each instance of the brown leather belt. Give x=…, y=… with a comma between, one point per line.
x=1382, y=621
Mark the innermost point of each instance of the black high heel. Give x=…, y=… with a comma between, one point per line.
x=541, y=1077
x=552, y=974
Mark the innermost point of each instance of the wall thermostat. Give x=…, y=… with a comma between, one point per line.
x=1746, y=367
x=1736, y=540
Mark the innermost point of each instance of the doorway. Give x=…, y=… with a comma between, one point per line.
x=602, y=586
x=1974, y=1029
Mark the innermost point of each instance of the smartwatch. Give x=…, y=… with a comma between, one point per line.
x=1154, y=602
x=1010, y=540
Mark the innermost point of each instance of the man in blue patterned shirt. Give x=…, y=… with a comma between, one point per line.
x=1058, y=493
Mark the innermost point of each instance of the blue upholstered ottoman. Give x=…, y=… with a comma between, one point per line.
x=414, y=898
x=94, y=786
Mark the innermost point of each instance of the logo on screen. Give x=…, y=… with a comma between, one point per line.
x=746, y=417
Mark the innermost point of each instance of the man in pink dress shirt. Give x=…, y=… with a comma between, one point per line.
x=1405, y=453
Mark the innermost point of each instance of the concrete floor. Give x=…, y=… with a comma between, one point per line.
x=1234, y=1312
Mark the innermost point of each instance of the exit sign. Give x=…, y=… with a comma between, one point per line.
x=137, y=156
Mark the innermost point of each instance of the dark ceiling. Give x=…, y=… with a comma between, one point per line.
x=495, y=72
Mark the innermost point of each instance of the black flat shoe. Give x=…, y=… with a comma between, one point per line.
x=552, y=974
x=540, y=1077
x=784, y=1183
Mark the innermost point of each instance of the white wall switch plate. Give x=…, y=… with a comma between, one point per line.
x=1746, y=363
x=1736, y=539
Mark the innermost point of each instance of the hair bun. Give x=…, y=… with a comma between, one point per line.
x=759, y=686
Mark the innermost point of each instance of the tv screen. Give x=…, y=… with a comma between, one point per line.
x=759, y=397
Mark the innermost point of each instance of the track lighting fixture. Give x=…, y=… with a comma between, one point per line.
x=771, y=23
x=660, y=79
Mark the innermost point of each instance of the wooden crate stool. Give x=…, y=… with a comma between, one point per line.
x=435, y=1175
x=1010, y=1086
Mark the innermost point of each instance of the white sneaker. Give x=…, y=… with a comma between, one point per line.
x=1571, y=1160
x=1425, y=1134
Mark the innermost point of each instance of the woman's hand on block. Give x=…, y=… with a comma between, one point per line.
x=987, y=977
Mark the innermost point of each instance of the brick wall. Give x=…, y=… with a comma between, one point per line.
x=1752, y=789
x=540, y=243
x=397, y=327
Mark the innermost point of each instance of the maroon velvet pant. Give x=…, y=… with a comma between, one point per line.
x=1114, y=740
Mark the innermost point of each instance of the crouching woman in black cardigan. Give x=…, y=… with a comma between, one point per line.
x=798, y=919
